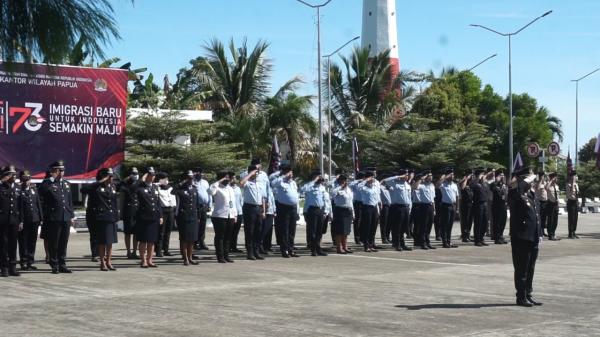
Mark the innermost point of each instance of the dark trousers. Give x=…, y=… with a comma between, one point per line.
x=552, y=213
x=314, y=227
x=398, y=219
x=357, y=219
x=92, y=231
x=499, y=215
x=437, y=220
x=423, y=223
x=285, y=222
x=446, y=222
x=58, y=238
x=543, y=214
x=573, y=215
x=8, y=245
x=201, y=224
x=368, y=220
x=236, y=231
x=466, y=219
x=480, y=217
x=384, y=223
x=267, y=232
x=164, y=231
x=223, y=228
x=253, y=224
x=524, y=254
x=27, y=241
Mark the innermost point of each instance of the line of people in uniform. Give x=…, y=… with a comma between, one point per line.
x=404, y=205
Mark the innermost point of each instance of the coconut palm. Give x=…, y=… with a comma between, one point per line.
x=288, y=115
x=238, y=84
x=48, y=30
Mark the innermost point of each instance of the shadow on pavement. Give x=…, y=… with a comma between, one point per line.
x=453, y=306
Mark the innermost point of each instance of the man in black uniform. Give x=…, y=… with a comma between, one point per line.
x=525, y=233
x=466, y=206
x=480, y=207
x=11, y=221
x=59, y=215
x=128, y=187
x=32, y=218
x=499, y=214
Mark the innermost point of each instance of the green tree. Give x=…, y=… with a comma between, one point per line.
x=586, y=153
x=288, y=115
x=238, y=85
x=49, y=29
x=589, y=179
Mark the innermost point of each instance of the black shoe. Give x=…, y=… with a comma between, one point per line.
x=522, y=302
x=134, y=256
x=31, y=267
x=235, y=250
x=262, y=251
x=195, y=263
x=430, y=246
x=4, y=272
x=445, y=245
x=111, y=267
x=159, y=254
x=575, y=236
x=64, y=270
x=313, y=253
x=12, y=271
x=293, y=254
x=195, y=257
x=54, y=270
x=285, y=254
x=438, y=238
x=221, y=260
x=167, y=253
x=357, y=241
x=533, y=301
x=228, y=259
x=203, y=246
x=385, y=241
x=95, y=259
x=452, y=245
x=465, y=240
x=478, y=244
x=129, y=256
x=258, y=256
x=250, y=257
x=408, y=249
x=424, y=247
x=196, y=246
x=321, y=253
x=24, y=266
x=398, y=249
x=484, y=244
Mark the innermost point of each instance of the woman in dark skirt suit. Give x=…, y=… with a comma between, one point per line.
x=129, y=188
x=187, y=217
x=103, y=212
x=343, y=213
x=148, y=217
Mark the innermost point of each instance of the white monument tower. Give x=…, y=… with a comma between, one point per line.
x=379, y=30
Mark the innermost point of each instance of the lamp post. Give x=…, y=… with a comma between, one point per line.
x=577, y=114
x=510, y=35
x=482, y=62
x=318, y=8
x=328, y=57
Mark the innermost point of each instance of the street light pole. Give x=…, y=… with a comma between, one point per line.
x=328, y=56
x=577, y=114
x=318, y=7
x=509, y=35
x=482, y=62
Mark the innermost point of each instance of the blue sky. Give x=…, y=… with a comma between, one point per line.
x=164, y=35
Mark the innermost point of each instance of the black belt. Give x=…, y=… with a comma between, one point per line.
x=447, y=204
x=250, y=205
x=400, y=205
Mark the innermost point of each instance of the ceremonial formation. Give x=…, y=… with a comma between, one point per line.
x=403, y=205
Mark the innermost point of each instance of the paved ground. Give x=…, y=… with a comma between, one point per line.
x=459, y=292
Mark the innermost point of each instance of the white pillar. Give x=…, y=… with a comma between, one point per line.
x=379, y=30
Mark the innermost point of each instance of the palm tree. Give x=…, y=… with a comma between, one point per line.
x=363, y=91
x=238, y=85
x=50, y=29
x=288, y=114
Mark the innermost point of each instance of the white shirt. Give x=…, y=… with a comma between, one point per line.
x=166, y=198
x=223, y=201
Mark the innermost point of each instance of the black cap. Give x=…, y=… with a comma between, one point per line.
x=24, y=174
x=499, y=172
x=342, y=177
x=315, y=173
x=369, y=174
x=553, y=175
x=449, y=170
x=402, y=172
x=104, y=172
x=134, y=170
x=522, y=172
x=252, y=168
x=419, y=175
x=478, y=171
x=150, y=170
x=188, y=173
x=221, y=175
x=285, y=169
x=9, y=169
x=59, y=164
x=490, y=170
x=198, y=170
x=161, y=175
x=255, y=161
x=426, y=172
x=468, y=172
x=360, y=175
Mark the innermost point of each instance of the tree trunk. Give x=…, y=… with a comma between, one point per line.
x=292, y=144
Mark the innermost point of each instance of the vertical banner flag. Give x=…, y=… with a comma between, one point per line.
x=518, y=163
x=597, y=151
x=75, y=114
x=355, y=161
x=569, y=163
x=275, y=161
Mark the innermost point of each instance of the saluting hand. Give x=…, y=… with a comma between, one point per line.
x=20, y=228
x=161, y=221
